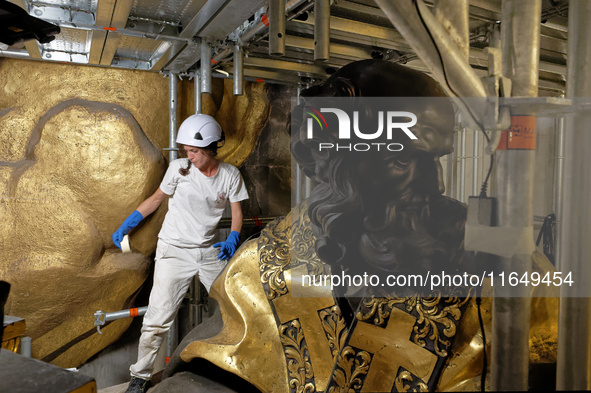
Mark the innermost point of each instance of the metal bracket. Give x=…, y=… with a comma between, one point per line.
x=101, y=318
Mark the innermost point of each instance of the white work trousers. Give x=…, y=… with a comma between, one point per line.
x=175, y=268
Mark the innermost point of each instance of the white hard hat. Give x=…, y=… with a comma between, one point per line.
x=199, y=130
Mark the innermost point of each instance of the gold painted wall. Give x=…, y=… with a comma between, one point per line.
x=80, y=149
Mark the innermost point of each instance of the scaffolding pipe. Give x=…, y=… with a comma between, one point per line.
x=172, y=339
x=14, y=53
x=238, y=70
x=452, y=166
x=197, y=91
x=276, y=16
x=462, y=165
x=205, y=67
x=321, y=30
x=172, y=101
x=520, y=42
x=475, y=157
x=261, y=26
x=558, y=189
x=459, y=79
x=298, y=170
x=574, y=329
x=454, y=15
x=101, y=318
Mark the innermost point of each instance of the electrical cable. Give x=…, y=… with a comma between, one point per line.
x=485, y=361
x=480, y=126
x=482, y=190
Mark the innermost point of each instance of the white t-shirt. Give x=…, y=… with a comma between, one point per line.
x=198, y=202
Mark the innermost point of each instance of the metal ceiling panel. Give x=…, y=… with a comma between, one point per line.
x=79, y=11
x=202, y=17
x=104, y=12
x=161, y=56
x=169, y=11
x=136, y=48
x=82, y=5
x=70, y=42
x=97, y=40
x=110, y=48
x=160, y=35
x=121, y=13
x=229, y=17
x=185, y=58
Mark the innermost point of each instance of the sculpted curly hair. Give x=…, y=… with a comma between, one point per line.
x=349, y=225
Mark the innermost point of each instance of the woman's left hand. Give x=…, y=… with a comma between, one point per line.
x=228, y=248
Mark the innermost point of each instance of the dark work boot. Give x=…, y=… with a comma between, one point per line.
x=137, y=385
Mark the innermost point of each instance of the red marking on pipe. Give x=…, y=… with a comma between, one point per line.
x=257, y=221
x=110, y=28
x=167, y=359
x=521, y=135
x=265, y=20
x=134, y=312
x=259, y=80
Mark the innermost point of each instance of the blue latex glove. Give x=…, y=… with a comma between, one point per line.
x=129, y=223
x=228, y=248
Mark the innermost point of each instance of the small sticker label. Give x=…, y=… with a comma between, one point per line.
x=521, y=135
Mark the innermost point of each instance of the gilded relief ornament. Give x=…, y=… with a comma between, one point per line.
x=275, y=257
x=350, y=371
x=406, y=382
x=301, y=376
x=303, y=242
x=437, y=317
x=335, y=329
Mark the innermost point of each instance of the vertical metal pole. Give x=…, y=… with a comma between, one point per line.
x=238, y=70
x=172, y=339
x=574, y=329
x=475, y=157
x=298, y=171
x=172, y=101
x=520, y=39
x=197, y=89
x=452, y=169
x=453, y=15
x=558, y=189
x=322, y=30
x=462, y=196
x=205, y=67
x=276, y=27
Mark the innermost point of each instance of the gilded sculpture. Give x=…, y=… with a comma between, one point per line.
x=80, y=147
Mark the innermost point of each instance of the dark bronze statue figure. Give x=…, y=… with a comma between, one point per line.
x=380, y=213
